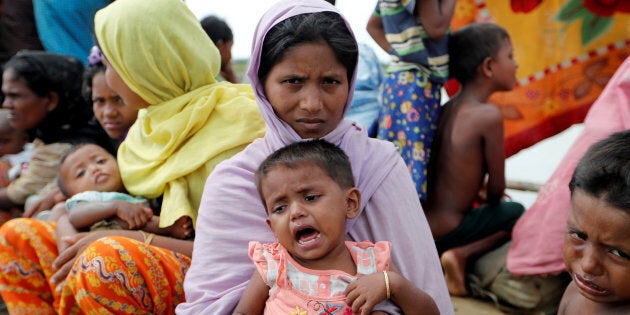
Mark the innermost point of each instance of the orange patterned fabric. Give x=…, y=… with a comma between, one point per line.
x=27, y=251
x=104, y=279
x=567, y=51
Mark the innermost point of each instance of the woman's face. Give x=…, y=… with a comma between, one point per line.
x=308, y=89
x=26, y=109
x=119, y=86
x=110, y=110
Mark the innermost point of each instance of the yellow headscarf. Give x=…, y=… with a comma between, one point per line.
x=192, y=122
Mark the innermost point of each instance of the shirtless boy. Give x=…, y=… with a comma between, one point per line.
x=468, y=148
x=597, y=242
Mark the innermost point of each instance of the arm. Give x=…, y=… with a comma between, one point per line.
x=367, y=291
x=377, y=32
x=228, y=73
x=254, y=297
x=408, y=297
x=436, y=16
x=401, y=220
x=45, y=201
x=64, y=227
x=494, y=154
x=84, y=214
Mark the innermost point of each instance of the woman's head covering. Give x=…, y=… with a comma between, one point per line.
x=147, y=38
x=71, y=121
x=280, y=132
x=192, y=123
x=349, y=136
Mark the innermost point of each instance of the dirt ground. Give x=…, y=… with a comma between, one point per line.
x=469, y=306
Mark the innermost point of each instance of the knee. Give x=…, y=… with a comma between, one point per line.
x=13, y=230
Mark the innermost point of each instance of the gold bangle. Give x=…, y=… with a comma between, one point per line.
x=387, y=284
x=147, y=237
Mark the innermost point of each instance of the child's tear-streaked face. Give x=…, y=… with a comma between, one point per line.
x=597, y=249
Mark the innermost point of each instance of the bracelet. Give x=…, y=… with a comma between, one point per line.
x=147, y=237
x=387, y=284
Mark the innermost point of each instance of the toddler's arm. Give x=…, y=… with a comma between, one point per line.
x=254, y=297
x=85, y=214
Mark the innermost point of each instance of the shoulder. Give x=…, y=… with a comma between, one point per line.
x=484, y=116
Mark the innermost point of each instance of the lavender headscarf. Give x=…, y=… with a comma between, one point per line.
x=231, y=213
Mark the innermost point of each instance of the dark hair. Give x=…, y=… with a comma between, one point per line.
x=322, y=153
x=217, y=29
x=46, y=72
x=470, y=46
x=604, y=171
x=327, y=27
x=71, y=121
x=90, y=72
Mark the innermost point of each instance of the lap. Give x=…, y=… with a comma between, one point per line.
x=480, y=222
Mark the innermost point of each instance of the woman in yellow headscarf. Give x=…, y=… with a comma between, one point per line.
x=161, y=61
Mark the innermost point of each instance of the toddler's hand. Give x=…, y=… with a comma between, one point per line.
x=364, y=293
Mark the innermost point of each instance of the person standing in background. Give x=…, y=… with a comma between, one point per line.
x=18, y=27
x=414, y=33
x=67, y=27
x=221, y=35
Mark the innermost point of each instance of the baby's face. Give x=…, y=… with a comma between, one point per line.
x=597, y=249
x=307, y=212
x=90, y=167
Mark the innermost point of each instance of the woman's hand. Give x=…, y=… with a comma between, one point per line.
x=45, y=202
x=76, y=244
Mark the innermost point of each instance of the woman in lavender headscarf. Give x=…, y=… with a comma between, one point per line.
x=303, y=70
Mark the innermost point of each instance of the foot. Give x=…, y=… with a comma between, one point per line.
x=454, y=266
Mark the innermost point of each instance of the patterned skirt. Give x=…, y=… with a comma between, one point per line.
x=408, y=118
x=113, y=275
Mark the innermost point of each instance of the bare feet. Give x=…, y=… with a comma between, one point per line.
x=182, y=228
x=454, y=266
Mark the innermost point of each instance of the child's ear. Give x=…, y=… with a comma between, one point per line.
x=353, y=202
x=486, y=67
x=53, y=101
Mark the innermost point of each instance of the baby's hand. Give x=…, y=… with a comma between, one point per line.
x=364, y=293
x=182, y=228
x=135, y=215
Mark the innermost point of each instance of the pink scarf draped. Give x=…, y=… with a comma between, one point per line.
x=538, y=236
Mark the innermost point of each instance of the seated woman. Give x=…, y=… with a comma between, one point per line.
x=303, y=64
x=114, y=116
x=187, y=123
x=42, y=92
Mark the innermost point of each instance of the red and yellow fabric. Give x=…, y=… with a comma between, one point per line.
x=567, y=51
x=117, y=283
